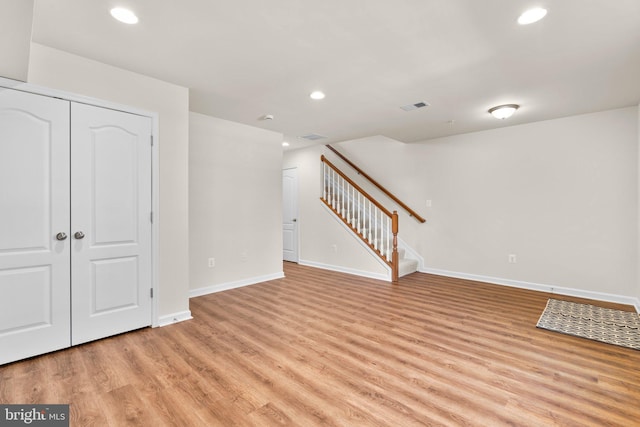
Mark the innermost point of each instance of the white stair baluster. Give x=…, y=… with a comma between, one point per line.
x=338, y=195
x=370, y=221
x=388, y=239
x=375, y=229
x=353, y=207
x=383, y=232
x=334, y=187
x=348, y=206
x=324, y=181
x=358, y=225
x=360, y=213
x=337, y=192
x=342, y=210
x=331, y=187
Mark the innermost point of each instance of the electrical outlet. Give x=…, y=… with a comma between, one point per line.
x=428, y=203
x=212, y=262
x=334, y=248
x=513, y=259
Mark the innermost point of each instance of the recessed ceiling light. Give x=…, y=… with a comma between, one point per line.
x=532, y=15
x=317, y=95
x=124, y=15
x=285, y=144
x=503, y=111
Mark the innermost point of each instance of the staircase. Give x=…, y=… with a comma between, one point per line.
x=406, y=265
x=367, y=218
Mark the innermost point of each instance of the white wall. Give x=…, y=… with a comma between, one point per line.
x=319, y=231
x=560, y=194
x=235, y=203
x=60, y=70
x=15, y=21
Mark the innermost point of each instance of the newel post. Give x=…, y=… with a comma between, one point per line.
x=394, y=254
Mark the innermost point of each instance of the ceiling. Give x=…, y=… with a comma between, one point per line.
x=243, y=59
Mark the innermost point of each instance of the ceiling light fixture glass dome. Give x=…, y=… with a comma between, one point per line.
x=317, y=95
x=532, y=15
x=124, y=15
x=503, y=111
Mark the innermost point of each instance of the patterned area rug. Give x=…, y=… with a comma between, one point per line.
x=588, y=321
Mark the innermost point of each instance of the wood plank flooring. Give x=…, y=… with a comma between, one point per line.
x=324, y=348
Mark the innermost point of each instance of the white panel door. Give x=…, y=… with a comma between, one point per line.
x=290, y=215
x=34, y=209
x=110, y=222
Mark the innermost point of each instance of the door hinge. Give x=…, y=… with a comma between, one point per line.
x=151, y=292
x=151, y=217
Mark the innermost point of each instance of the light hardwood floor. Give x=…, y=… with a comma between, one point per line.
x=324, y=348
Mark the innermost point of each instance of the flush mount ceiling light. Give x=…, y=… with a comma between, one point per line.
x=532, y=15
x=285, y=144
x=124, y=15
x=317, y=95
x=503, y=111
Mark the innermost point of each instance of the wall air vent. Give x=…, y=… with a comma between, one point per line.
x=411, y=107
x=312, y=137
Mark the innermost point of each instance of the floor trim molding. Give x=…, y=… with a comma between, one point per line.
x=580, y=293
x=170, y=319
x=232, y=285
x=347, y=270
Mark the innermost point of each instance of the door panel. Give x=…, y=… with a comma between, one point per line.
x=34, y=207
x=111, y=205
x=114, y=284
x=114, y=150
x=26, y=150
x=29, y=290
x=290, y=215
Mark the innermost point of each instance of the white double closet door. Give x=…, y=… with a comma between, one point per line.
x=75, y=226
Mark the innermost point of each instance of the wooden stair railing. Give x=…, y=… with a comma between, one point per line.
x=365, y=216
x=410, y=211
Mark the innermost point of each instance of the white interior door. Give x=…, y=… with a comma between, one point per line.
x=110, y=223
x=290, y=215
x=34, y=209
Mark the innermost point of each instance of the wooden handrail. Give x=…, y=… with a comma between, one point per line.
x=357, y=187
x=380, y=187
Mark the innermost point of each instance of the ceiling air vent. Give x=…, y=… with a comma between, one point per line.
x=312, y=137
x=411, y=107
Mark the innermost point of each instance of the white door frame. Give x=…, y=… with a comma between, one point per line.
x=295, y=221
x=155, y=205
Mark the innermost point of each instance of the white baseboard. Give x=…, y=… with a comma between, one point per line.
x=340, y=269
x=232, y=285
x=580, y=293
x=170, y=319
